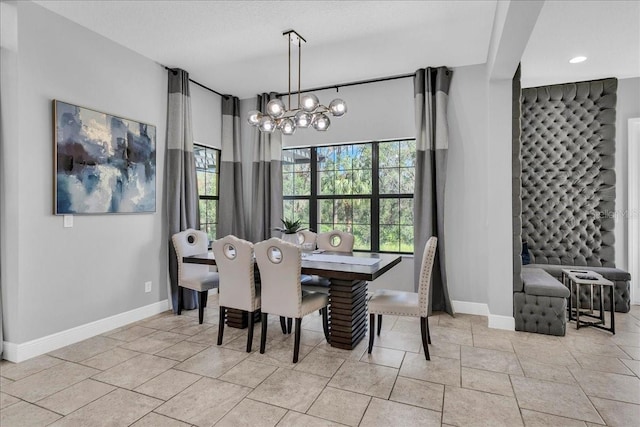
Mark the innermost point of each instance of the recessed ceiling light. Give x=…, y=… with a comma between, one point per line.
x=578, y=59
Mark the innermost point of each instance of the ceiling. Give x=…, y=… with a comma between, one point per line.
x=606, y=32
x=237, y=47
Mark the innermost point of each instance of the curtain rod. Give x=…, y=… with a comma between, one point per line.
x=199, y=84
x=359, y=82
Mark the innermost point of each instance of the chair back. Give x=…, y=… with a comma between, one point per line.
x=186, y=243
x=336, y=241
x=234, y=258
x=428, y=258
x=280, y=264
x=307, y=236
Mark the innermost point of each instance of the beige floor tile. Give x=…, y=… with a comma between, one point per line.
x=407, y=325
x=4, y=382
x=17, y=371
x=110, y=358
x=543, y=371
x=630, y=352
x=50, y=381
x=341, y=406
x=609, y=386
x=86, y=349
x=474, y=408
x=458, y=322
x=156, y=420
x=631, y=339
x=248, y=373
x=492, y=343
x=290, y=389
x=212, y=362
x=418, y=393
x=311, y=338
x=135, y=371
x=365, y=378
x=491, y=382
x=167, y=384
x=192, y=329
x=210, y=336
x=155, y=342
x=280, y=354
x=617, y=413
x=205, y=402
x=181, y=351
x=633, y=365
x=443, y=349
x=168, y=322
x=452, y=335
x=610, y=350
x=593, y=362
x=68, y=400
x=131, y=334
x=384, y=356
x=550, y=353
x=554, y=398
x=24, y=414
x=353, y=355
x=490, y=360
x=399, y=341
x=296, y=419
x=250, y=413
x=437, y=370
x=120, y=407
x=321, y=364
x=538, y=419
x=386, y=413
x=7, y=400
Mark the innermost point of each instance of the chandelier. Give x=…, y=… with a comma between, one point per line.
x=309, y=111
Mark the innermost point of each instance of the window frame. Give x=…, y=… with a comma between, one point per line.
x=314, y=197
x=206, y=196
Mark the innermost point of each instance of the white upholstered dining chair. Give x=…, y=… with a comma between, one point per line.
x=336, y=241
x=398, y=303
x=280, y=264
x=196, y=277
x=307, y=237
x=237, y=289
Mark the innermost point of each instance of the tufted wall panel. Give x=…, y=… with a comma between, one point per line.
x=568, y=177
x=540, y=314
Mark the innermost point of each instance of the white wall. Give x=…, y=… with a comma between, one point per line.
x=57, y=278
x=628, y=107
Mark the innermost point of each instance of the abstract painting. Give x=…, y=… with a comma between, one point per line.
x=103, y=163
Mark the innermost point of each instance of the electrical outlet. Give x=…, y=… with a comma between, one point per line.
x=147, y=286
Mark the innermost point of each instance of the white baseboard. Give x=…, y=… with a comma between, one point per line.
x=479, y=309
x=502, y=322
x=21, y=352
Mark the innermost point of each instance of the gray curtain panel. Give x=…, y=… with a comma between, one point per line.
x=182, y=187
x=231, y=205
x=267, y=180
x=431, y=94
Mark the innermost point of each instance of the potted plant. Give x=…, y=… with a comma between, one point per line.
x=290, y=230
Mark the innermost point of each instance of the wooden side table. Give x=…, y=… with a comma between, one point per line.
x=582, y=277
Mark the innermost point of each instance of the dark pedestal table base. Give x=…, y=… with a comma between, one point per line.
x=240, y=319
x=347, y=312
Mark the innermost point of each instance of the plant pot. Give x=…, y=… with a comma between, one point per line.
x=291, y=238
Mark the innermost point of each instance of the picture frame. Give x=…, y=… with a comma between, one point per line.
x=103, y=163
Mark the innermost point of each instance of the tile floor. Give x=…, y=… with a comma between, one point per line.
x=167, y=371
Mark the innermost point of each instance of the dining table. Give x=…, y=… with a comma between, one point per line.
x=348, y=274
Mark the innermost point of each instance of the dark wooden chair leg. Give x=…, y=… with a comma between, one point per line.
x=372, y=328
x=250, y=332
x=325, y=323
x=379, y=323
x=296, y=344
x=289, y=324
x=203, y=303
x=423, y=329
x=428, y=333
x=223, y=312
x=263, y=336
x=180, y=300
x=283, y=325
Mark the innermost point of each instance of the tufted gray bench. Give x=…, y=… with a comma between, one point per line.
x=541, y=306
x=620, y=278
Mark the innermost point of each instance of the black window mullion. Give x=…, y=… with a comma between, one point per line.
x=375, y=199
x=313, y=197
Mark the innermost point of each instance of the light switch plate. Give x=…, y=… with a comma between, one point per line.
x=68, y=221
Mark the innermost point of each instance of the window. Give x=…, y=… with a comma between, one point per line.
x=208, y=177
x=365, y=189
